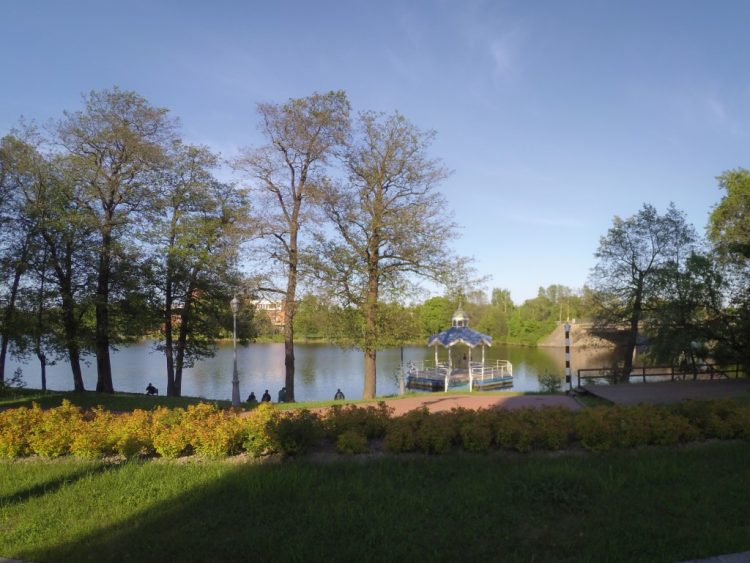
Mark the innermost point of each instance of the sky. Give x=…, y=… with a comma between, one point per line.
x=554, y=117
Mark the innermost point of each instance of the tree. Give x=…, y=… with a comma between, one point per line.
x=197, y=231
x=729, y=223
x=631, y=257
x=686, y=310
x=116, y=146
x=729, y=231
x=17, y=233
x=391, y=223
x=302, y=136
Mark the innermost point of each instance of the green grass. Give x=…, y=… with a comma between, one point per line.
x=124, y=402
x=644, y=505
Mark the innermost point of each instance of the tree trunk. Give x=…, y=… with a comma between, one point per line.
x=289, y=308
x=168, y=347
x=70, y=327
x=185, y=319
x=103, y=365
x=632, y=342
x=10, y=310
x=371, y=331
x=289, y=337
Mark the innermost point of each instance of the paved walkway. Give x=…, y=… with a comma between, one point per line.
x=670, y=391
x=437, y=402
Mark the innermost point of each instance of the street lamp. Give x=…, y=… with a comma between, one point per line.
x=234, y=304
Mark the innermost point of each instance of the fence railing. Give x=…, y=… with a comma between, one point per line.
x=663, y=373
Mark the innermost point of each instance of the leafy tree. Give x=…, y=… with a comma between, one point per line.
x=632, y=256
x=197, y=232
x=729, y=223
x=302, y=136
x=435, y=315
x=116, y=146
x=18, y=231
x=729, y=231
x=391, y=224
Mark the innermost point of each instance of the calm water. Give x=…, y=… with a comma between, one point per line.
x=321, y=369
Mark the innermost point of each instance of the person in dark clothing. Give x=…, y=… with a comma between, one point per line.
x=151, y=390
x=252, y=400
x=282, y=395
x=266, y=398
x=339, y=396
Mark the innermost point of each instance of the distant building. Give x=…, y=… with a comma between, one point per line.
x=274, y=310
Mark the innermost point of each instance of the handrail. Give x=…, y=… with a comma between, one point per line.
x=673, y=372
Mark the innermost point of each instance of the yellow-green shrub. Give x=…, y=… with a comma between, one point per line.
x=93, y=437
x=369, y=421
x=476, y=434
x=351, y=442
x=217, y=435
x=54, y=429
x=15, y=429
x=294, y=433
x=132, y=433
x=257, y=440
x=170, y=433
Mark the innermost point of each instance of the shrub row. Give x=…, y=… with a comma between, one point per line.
x=207, y=431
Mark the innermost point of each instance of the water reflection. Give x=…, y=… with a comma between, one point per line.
x=321, y=369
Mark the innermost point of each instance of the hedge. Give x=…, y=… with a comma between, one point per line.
x=206, y=431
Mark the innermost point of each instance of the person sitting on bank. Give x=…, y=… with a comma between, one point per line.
x=282, y=395
x=151, y=390
x=266, y=398
x=252, y=400
x=339, y=396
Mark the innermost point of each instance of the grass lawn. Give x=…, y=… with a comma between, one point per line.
x=642, y=505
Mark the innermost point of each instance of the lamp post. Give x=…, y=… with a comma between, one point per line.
x=234, y=304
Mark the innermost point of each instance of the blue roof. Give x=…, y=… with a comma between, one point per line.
x=459, y=335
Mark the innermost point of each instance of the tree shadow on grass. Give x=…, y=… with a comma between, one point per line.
x=53, y=485
x=267, y=513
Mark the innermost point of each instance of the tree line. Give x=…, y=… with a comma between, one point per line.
x=113, y=227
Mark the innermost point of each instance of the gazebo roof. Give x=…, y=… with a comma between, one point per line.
x=459, y=335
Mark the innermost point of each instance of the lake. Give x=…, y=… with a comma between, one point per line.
x=321, y=369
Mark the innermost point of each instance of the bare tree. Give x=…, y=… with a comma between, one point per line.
x=302, y=135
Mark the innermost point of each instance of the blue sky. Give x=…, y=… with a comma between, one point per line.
x=553, y=116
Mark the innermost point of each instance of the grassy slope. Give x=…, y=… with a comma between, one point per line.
x=645, y=505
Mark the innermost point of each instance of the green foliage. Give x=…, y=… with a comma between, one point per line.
x=550, y=382
x=257, y=440
x=212, y=433
x=16, y=426
x=351, y=442
x=94, y=437
x=54, y=430
x=369, y=421
x=295, y=432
